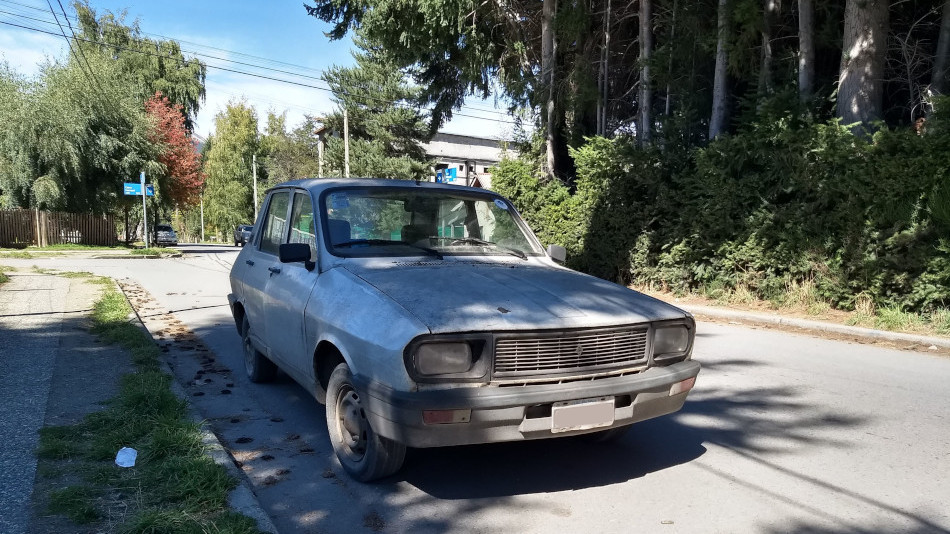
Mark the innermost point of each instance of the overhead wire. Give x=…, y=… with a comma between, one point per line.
x=473, y=109
x=88, y=73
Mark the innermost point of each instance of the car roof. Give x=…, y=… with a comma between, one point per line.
x=318, y=185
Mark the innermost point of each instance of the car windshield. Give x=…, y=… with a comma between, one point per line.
x=396, y=221
x=164, y=228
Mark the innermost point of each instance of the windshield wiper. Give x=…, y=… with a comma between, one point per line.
x=482, y=242
x=371, y=242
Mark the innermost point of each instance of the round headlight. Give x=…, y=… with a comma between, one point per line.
x=442, y=358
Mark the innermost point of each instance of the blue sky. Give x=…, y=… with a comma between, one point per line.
x=240, y=35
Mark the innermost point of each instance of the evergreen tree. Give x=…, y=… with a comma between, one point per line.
x=386, y=128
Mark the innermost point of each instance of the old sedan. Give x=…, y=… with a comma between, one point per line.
x=428, y=315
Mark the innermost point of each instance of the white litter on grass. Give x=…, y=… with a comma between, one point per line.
x=126, y=457
x=932, y=347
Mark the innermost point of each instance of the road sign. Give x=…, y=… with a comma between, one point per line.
x=136, y=189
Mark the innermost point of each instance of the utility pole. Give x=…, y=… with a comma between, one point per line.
x=254, y=165
x=202, y=217
x=346, y=144
x=144, y=210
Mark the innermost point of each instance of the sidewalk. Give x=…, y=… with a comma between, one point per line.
x=44, y=320
x=53, y=371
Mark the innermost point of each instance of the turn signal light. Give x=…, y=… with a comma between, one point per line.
x=683, y=386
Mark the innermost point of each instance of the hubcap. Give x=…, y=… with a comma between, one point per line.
x=352, y=424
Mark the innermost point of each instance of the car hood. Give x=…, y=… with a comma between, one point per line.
x=457, y=296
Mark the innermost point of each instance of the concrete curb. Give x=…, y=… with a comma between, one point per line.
x=820, y=326
x=242, y=498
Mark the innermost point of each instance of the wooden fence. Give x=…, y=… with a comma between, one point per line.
x=21, y=228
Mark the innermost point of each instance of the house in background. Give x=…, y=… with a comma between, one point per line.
x=464, y=159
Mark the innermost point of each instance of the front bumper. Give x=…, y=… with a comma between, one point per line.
x=517, y=413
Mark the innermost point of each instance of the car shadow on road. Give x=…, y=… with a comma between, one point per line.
x=736, y=419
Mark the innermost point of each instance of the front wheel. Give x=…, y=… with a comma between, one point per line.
x=364, y=454
x=258, y=367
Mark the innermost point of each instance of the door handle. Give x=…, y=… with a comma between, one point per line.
x=275, y=270
x=249, y=262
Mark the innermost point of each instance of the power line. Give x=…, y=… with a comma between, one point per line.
x=88, y=73
x=261, y=67
x=257, y=75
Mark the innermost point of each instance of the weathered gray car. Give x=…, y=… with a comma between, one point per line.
x=427, y=315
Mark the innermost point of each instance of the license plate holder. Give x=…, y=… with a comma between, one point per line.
x=582, y=414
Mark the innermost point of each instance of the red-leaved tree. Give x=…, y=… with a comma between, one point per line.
x=184, y=178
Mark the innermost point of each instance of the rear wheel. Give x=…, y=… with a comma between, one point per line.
x=258, y=367
x=364, y=454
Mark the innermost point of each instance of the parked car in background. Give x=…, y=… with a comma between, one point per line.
x=242, y=234
x=428, y=315
x=165, y=235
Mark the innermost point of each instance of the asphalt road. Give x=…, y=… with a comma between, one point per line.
x=784, y=432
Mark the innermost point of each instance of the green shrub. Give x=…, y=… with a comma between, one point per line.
x=786, y=203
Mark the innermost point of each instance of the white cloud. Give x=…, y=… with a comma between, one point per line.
x=26, y=51
x=263, y=95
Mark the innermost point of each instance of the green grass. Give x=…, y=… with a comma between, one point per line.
x=4, y=278
x=16, y=254
x=178, y=488
x=75, y=502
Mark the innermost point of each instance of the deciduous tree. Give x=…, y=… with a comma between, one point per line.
x=182, y=181
x=228, y=194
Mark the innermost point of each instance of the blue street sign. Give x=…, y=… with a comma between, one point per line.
x=131, y=188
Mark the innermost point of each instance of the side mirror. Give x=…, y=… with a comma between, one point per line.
x=294, y=253
x=557, y=253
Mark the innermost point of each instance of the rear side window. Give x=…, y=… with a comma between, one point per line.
x=275, y=222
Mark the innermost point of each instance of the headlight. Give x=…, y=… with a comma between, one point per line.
x=442, y=358
x=670, y=343
x=449, y=358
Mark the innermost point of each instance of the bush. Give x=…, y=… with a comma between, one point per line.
x=785, y=203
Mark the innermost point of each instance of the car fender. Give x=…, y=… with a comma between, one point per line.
x=368, y=328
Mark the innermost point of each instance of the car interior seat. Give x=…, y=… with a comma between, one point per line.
x=339, y=231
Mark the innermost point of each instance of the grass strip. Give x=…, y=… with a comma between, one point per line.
x=174, y=488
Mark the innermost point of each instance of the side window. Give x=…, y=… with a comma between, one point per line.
x=301, y=222
x=275, y=222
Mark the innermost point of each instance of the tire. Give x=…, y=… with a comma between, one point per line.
x=364, y=454
x=259, y=369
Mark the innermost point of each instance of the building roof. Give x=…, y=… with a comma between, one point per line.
x=464, y=148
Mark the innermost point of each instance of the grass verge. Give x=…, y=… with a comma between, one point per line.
x=802, y=300
x=174, y=488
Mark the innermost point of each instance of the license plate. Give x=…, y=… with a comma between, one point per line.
x=582, y=414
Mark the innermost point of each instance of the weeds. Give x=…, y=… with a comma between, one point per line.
x=175, y=487
x=75, y=502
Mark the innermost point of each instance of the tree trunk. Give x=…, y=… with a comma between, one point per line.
x=604, y=85
x=806, y=49
x=717, y=119
x=939, y=82
x=770, y=13
x=861, y=83
x=669, y=70
x=547, y=76
x=645, y=130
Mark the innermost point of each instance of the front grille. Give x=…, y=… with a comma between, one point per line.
x=570, y=353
